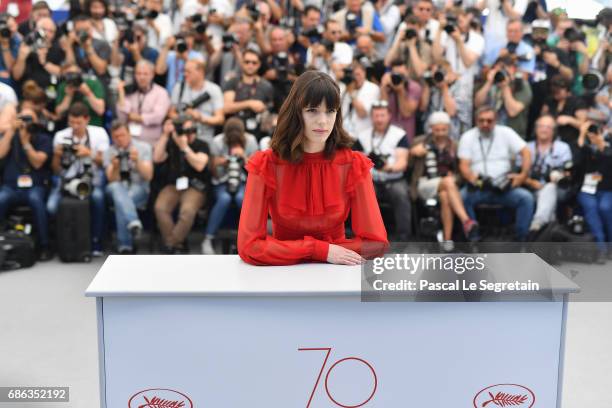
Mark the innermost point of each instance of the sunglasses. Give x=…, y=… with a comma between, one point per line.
x=251, y=62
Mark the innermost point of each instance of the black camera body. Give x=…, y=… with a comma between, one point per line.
x=379, y=160
x=351, y=22
x=315, y=33
x=280, y=62
x=410, y=34
x=228, y=39
x=30, y=125
x=235, y=172
x=35, y=39
x=179, y=126
x=203, y=98
x=253, y=10
x=5, y=31
x=434, y=78
x=199, y=23
x=82, y=36
x=124, y=165
x=348, y=76
x=500, y=184
x=397, y=79
x=329, y=45
x=74, y=79
x=451, y=24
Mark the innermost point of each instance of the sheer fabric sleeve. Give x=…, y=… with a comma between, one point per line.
x=255, y=246
x=370, y=234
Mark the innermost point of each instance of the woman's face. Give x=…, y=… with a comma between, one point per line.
x=318, y=124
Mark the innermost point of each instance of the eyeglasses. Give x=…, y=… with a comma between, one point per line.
x=380, y=104
x=250, y=62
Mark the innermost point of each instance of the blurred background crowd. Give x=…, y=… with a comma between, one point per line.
x=485, y=119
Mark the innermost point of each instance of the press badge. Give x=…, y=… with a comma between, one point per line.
x=182, y=183
x=591, y=180
x=24, y=181
x=135, y=129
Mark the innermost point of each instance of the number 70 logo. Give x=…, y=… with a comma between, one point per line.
x=338, y=362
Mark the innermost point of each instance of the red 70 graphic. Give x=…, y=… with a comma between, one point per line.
x=328, y=350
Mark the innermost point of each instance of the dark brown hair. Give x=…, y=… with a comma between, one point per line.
x=33, y=93
x=78, y=109
x=309, y=90
x=233, y=132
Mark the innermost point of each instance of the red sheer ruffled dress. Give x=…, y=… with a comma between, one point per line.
x=308, y=203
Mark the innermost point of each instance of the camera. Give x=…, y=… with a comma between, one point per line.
x=431, y=161
x=314, y=33
x=593, y=128
x=410, y=34
x=124, y=165
x=397, y=79
x=181, y=44
x=348, y=77
x=253, y=11
x=379, y=160
x=351, y=22
x=179, y=126
x=199, y=23
x=68, y=152
x=511, y=47
x=592, y=81
x=434, y=78
x=573, y=35
x=73, y=79
x=499, y=184
x=235, y=173
x=5, y=31
x=29, y=123
x=203, y=98
x=79, y=186
x=228, y=39
x=147, y=14
x=329, y=45
x=35, y=39
x=451, y=24
x=280, y=62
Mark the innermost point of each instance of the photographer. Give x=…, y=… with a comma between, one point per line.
x=134, y=49
x=90, y=54
x=200, y=99
x=249, y=96
x=461, y=46
x=515, y=46
x=173, y=58
x=390, y=17
x=569, y=111
x=410, y=48
x=145, y=108
x=78, y=153
x=228, y=58
x=357, y=99
x=9, y=46
x=387, y=146
x=230, y=151
x=76, y=87
x=129, y=170
x=359, y=17
x=435, y=175
x=486, y=157
x=25, y=150
x=365, y=50
x=40, y=9
x=159, y=24
x=330, y=55
x=104, y=28
x=595, y=197
x=280, y=64
x=552, y=161
x=40, y=58
x=186, y=182
x=441, y=93
x=403, y=95
x=571, y=43
x=508, y=92
x=309, y=33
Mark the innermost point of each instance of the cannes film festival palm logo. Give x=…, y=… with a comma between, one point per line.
x=505, y=395
x=159, y=398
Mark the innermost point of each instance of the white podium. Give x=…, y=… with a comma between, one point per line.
x=212, y=331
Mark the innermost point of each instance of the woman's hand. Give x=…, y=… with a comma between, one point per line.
x=342, y=256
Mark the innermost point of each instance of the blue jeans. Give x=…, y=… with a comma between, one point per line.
x=223, y=200
x=518, y=198
x=127, y=199
x=598, y=215
x=33, y=197
x=97, y=211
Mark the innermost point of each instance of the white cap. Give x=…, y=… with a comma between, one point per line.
x=439, y=118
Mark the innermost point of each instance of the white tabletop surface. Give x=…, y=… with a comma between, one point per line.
x=228, y=275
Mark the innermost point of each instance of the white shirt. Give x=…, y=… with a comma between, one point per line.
x=390, y=17
x=98, y=142
x=7, y=95
x=475, y=43
x=384, y=145
x=164, y=24
x=493, y=160
x=110, y=33
x=367, y=94
x=495, y=26
x=343, y=54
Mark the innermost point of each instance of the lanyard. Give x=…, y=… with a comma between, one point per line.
x=376, y=148
x=486, y=155
x=16, y=148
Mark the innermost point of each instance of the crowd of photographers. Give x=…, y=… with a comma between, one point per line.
x=156, y=105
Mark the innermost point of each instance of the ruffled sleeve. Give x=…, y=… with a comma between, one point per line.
x=255, y=246
x=370, y=234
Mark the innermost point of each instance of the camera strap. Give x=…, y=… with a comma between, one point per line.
x=23, y=168
x=376, y=148
x=485, y=155
x=181, y=91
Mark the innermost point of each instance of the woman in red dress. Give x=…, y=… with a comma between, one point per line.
x=308, y=181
